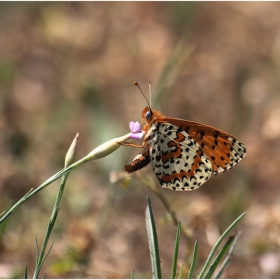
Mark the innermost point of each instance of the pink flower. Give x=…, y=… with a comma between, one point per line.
x=136, y=132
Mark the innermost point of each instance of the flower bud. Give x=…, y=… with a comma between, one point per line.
x=107, y=148
x=70, y=156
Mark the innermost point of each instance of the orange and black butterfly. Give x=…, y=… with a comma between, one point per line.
x=184, y=154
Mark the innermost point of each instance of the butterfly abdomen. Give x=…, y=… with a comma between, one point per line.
x=140, y=161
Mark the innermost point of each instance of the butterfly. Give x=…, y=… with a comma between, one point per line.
x=184, y=154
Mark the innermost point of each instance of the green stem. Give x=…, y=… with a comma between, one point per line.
x=42, y=186
x=99, y=152
x=41, y=258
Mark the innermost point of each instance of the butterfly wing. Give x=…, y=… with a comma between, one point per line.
x=178, y=161
x=223, y=150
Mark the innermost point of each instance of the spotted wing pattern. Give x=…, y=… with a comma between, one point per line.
x=185, y=154
x=223, y=149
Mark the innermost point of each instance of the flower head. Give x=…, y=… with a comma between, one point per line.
x=136, y=132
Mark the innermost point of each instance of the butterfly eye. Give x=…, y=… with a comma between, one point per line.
x=148, y=115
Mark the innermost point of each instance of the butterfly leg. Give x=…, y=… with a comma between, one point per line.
x=132, y=144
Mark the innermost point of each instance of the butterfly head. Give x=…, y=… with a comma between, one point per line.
x=147, y=114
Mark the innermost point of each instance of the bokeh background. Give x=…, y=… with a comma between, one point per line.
x=68, y=67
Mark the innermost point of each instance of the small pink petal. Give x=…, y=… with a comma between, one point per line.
x=138, y=135
x=134, y=127
x=131, y=125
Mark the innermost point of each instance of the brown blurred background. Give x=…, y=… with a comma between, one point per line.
x=69, y=67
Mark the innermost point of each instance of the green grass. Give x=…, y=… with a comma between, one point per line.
x=207, y=271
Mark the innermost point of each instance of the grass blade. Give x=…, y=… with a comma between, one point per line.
x=181, y=272
x=25, y=272
x=132, y=274
x=41, y=256
x=219, y=258
x=42, y=262
x=37, y=248
x=153, y=242
x=176, y=250
x=218, y=243
x=3, y=227
x=228, y=257
x=190, y=275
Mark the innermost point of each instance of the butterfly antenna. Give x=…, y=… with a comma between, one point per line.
x=150, y=91
x=142, y=94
